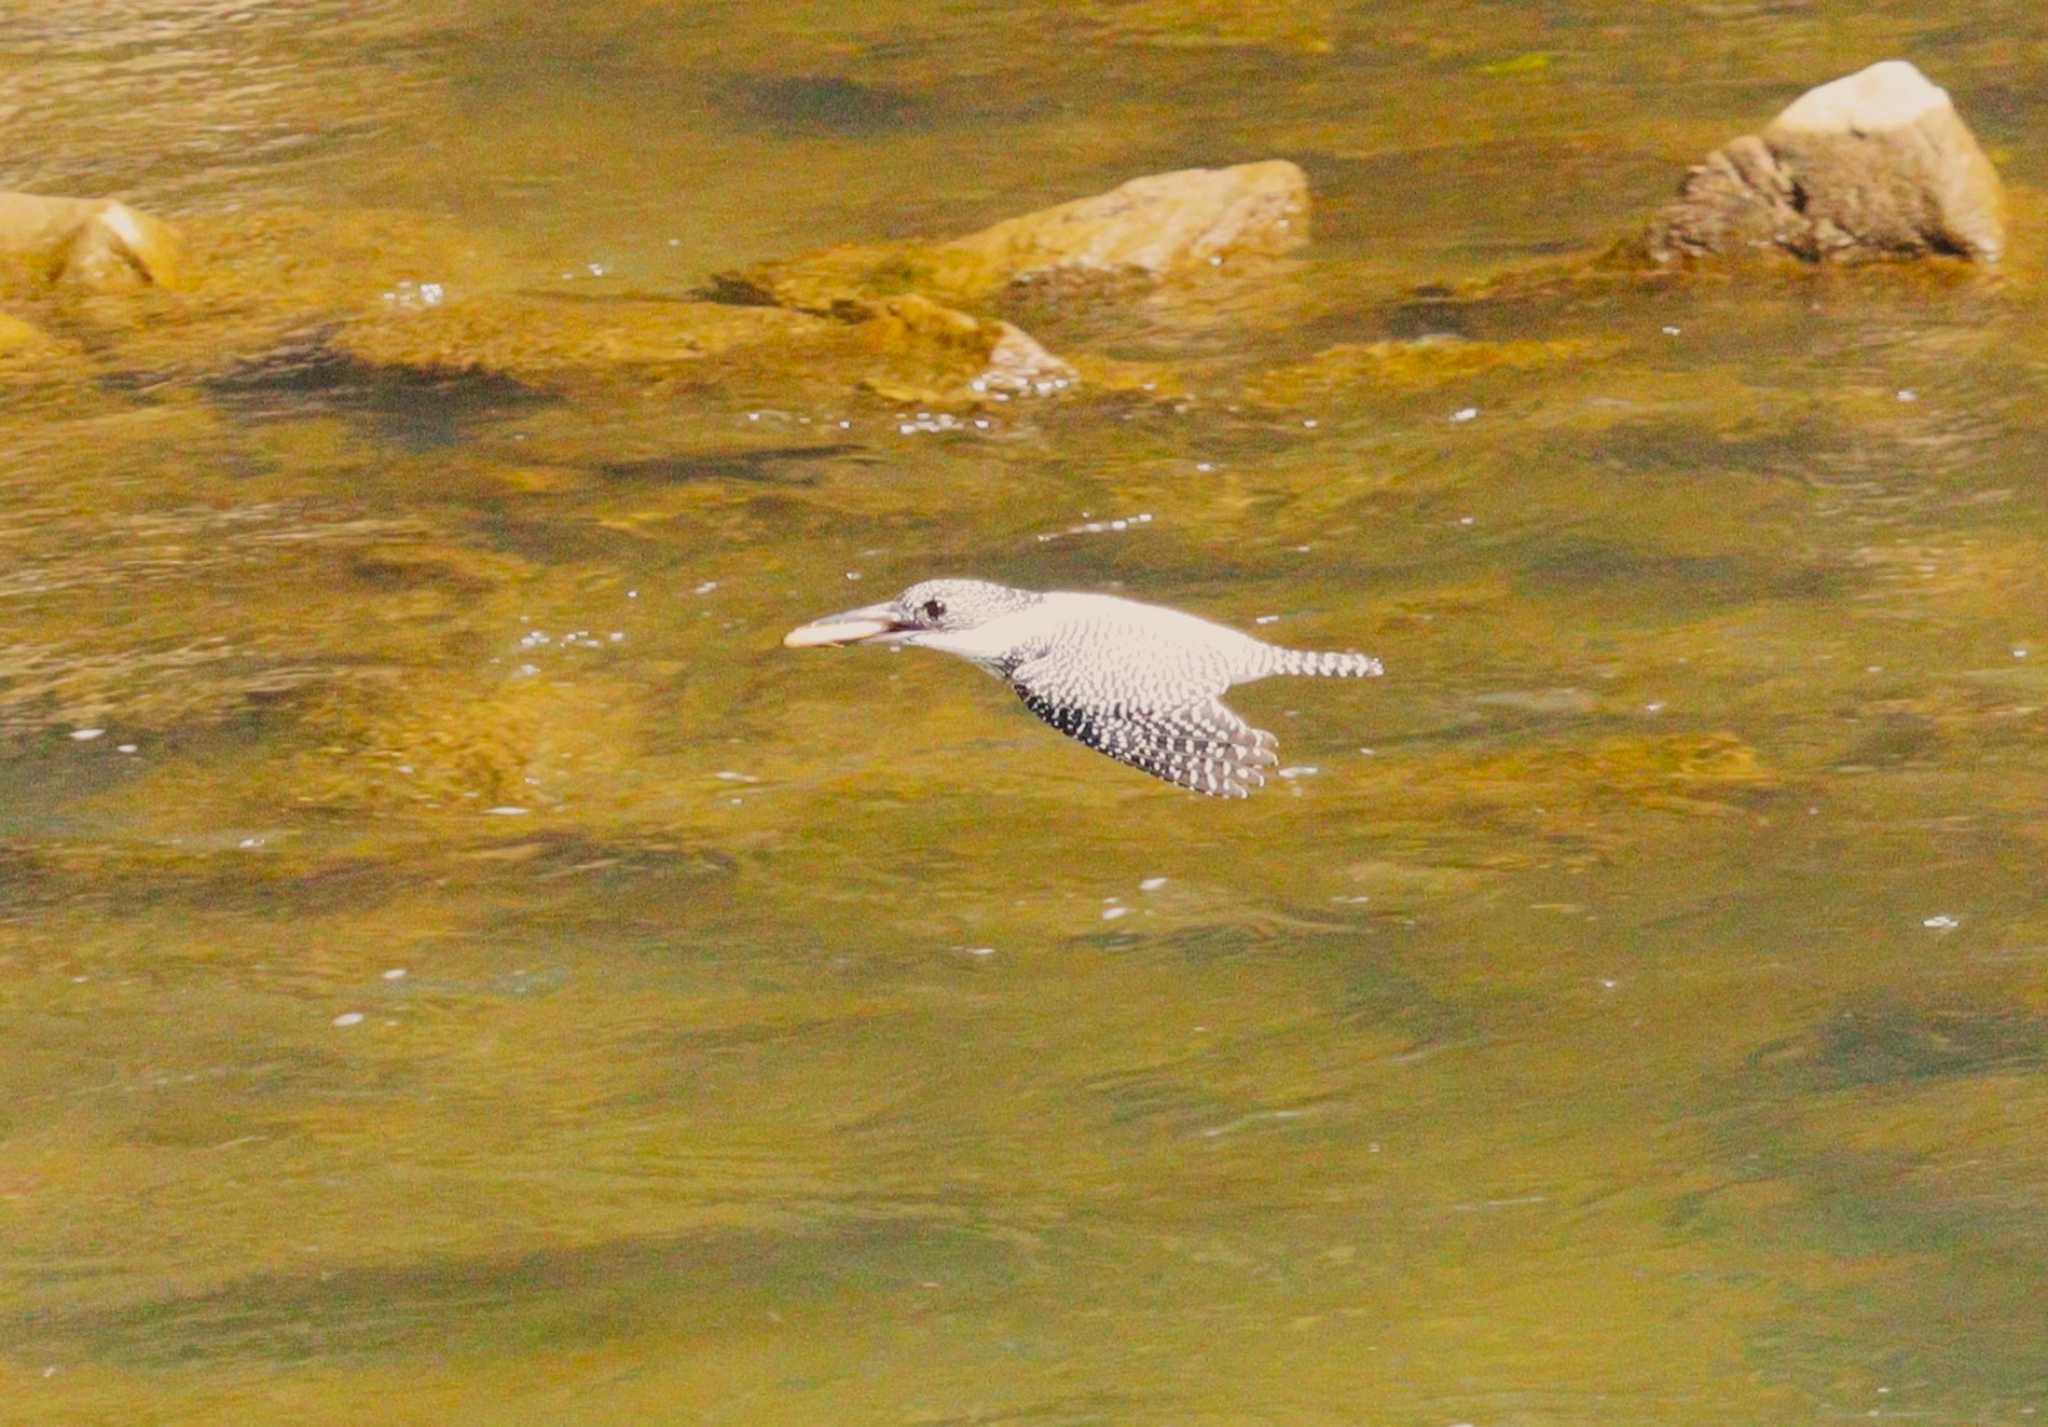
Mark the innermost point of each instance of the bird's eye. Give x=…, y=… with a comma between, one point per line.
x=934, y=609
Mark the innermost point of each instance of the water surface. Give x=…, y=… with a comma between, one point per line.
x=455, y=966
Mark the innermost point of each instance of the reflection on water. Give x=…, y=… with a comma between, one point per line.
x=455, y=966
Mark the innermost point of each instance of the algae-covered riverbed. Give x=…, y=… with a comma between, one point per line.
x=456, y=967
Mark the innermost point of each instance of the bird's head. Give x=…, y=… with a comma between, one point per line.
x=917, y=616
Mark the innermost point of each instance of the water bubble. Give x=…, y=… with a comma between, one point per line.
x=87, y=735
x=1941, y=923
x=349, y=1018
x=1151, y=884
x=507, y=810
x=1465, y=413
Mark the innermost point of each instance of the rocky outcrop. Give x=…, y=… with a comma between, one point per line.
x=1873, y=165
x=1151, y=229
x=99, y=244
x=922, y=308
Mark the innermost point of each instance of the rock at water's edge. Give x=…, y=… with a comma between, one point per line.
x=1875, y=164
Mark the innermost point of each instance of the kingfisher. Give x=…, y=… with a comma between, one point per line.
x=1141, y=683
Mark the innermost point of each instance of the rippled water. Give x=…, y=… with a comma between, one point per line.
x=456, y=967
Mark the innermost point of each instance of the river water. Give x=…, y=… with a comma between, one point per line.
x=456, y=967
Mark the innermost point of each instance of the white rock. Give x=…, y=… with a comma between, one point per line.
x=1888, y=95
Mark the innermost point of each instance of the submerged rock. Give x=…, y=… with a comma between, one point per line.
x=535, y=338
x=423, y=741
x=18, y=336
x=1148, y=230
x=99, y=244
x=1876, y=164
x=932, y=353
x=1421, y=364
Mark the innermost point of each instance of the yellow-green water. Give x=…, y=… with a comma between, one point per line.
x=1638, y=1013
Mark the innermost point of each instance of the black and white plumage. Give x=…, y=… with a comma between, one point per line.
x=1139, y=682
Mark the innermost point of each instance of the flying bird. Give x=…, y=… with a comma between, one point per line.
x=1139, y=682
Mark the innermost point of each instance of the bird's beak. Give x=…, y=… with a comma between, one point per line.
x=854, y=626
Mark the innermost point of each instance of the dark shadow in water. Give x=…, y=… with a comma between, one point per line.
x=419, y=408
x=1887, y=1043
x=594, y=1294
x=765, y=466
x=814, y=106
x=1679, y=580
x=1661, y=446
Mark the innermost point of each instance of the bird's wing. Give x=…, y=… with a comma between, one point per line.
x=1199, y=743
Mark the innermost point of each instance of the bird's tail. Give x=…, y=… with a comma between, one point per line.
x=1316, y=663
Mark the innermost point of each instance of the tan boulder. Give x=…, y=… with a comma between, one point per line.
x=1157, y=226
x=97, y=243
x=1876, y=164
x=1150, y=229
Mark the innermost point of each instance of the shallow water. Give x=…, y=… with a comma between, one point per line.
x=456, y=967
